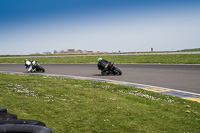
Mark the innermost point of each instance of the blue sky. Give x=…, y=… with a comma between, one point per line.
x=30, y=26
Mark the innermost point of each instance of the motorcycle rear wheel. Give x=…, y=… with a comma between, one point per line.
x=105, y=73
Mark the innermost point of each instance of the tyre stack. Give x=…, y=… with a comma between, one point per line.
x=10, y=124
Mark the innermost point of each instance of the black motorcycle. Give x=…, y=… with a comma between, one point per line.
x=111, y=69
x=37, y=68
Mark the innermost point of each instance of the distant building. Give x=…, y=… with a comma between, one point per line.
x=46, y=53
x=71, y=51
x=90, y=52
x=61, y=52
x=36, y=54
x=79, y=51
x=87, y=52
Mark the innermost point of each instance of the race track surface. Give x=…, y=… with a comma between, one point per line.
x=178, y=77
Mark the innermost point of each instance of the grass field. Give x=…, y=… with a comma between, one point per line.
x=71, y=105
x=163, y=59
x=191, y=50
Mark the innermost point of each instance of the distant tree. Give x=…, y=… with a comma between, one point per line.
x=55, y=51
x=62, y=51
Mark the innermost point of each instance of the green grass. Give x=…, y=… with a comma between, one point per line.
x=191, y=50
x=164, y=59
x=71, y=105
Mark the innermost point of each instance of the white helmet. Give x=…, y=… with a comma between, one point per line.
x=99, y=59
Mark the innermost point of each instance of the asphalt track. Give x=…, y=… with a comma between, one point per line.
x=175, y=80
x=178, y=77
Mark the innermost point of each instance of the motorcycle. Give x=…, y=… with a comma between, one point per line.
x=37, y=68
x=111, y=70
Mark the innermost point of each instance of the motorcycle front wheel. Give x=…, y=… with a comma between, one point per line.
x=117, y=71
x=40, y=69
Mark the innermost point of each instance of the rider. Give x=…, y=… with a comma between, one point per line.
x=30, y=65
x=103, y=64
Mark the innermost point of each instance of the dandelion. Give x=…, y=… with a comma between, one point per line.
x=113, y=99
x=48, y=96
x=63, y=99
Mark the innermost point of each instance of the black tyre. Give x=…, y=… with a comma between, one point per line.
x=3, y=110
x=21, y=128
x=6, y=116
x=40, y=69
x=117, y=71
x=22, y=121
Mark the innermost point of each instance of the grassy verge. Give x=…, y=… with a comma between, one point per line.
x=191, y=50
x=71, y=105
x=164, y=59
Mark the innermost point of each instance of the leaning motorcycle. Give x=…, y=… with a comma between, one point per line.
x=111, y=70
x=38, y=68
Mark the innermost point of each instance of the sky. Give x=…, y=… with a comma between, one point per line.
x=37, y=26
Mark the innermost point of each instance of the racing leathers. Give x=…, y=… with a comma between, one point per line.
x=104, y=65
x=30, y=65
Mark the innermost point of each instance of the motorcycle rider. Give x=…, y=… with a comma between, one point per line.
x=30, y=65
x=103, y=65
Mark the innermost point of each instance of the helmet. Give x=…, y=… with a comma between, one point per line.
x=25, y=60
x=99, y=58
